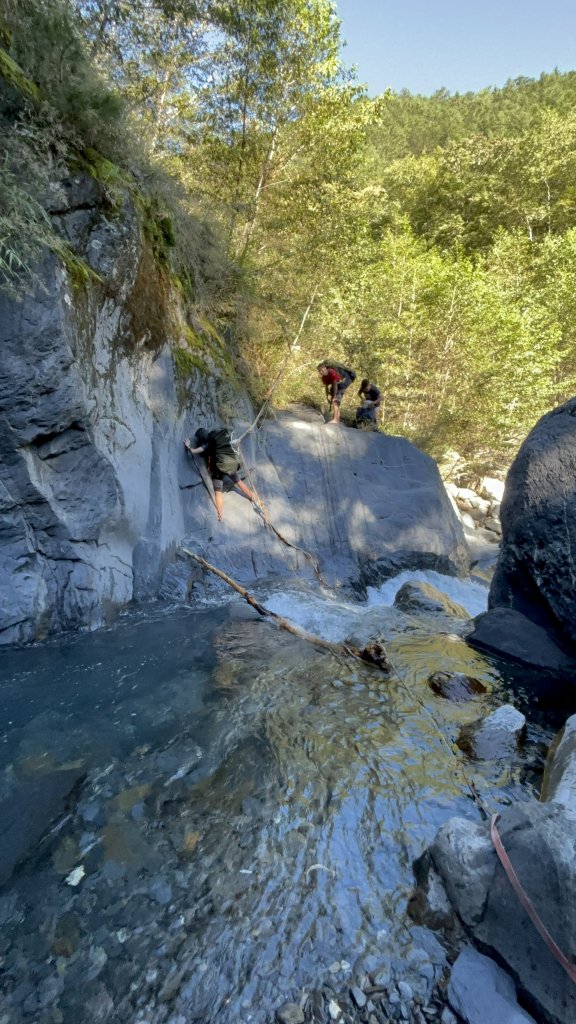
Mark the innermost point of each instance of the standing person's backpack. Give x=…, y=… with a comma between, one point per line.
x=342, y=370
x=222, y=451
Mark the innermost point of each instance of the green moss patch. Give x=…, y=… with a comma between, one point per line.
x=79, y=272
x=186, y=362
x=12, y=73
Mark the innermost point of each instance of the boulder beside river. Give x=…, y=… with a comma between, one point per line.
x=532, y=603
x=461, y=872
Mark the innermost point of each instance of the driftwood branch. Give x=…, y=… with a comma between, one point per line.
x=372, y=654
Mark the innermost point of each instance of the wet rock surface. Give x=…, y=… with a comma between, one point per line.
x=457, y=686
x=497, y=736
x=417, y=596
x=540, y=841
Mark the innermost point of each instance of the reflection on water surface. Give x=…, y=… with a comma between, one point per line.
x=250, y=815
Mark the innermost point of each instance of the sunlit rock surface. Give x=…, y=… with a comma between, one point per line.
x=559, y=782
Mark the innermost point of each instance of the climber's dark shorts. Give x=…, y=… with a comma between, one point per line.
x=223, y=478
x=340, y=389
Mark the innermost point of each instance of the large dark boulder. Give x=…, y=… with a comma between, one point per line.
x=512, y=635
x=536, y=571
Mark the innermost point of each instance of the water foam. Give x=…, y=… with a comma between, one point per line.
x=471, y=595
x=334, y=619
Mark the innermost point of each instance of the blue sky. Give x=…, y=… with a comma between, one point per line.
x=422, y=45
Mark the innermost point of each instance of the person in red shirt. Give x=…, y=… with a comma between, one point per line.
x=335, y=381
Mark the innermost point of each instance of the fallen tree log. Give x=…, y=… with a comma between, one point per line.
x=372, y=654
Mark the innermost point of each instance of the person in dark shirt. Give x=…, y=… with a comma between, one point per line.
x=372, y=400
x=223, y=463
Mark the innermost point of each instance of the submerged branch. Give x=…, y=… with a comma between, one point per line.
x=373, y=654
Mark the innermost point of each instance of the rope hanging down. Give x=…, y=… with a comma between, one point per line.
x=280, y=373
x=236, y=441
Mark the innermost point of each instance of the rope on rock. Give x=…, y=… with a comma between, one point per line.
x=204, y=476
x=259, y=504
x=260, y=507
x=527, y=903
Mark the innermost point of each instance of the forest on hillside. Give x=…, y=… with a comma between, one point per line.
x=431, y=241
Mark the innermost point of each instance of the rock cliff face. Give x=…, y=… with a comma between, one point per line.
x=90, y=421
x=532, y=615
x=96, y=492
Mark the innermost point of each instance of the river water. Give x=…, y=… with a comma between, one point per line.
x=250, y=810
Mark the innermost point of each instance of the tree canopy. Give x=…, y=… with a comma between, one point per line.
x=437, y=234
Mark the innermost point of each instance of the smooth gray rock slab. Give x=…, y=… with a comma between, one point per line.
x=481, y=992
x=27, y=816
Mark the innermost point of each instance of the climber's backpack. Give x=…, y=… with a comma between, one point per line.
x=225, y=458
x=342, y=370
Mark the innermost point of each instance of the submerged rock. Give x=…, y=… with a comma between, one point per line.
x=455, y=686
x=496, y=736
x=291, y=1013
x=27, y=816
x=417, y=596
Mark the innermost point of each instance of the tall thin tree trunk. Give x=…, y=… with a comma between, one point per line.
x=251, y=224
x=408, y=372
x=166, y=84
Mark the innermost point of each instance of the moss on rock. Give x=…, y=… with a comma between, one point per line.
x=12, y=73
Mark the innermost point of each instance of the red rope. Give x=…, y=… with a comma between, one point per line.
x=526, y=903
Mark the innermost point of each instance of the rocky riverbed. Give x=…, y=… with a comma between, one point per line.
x=241, y=845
